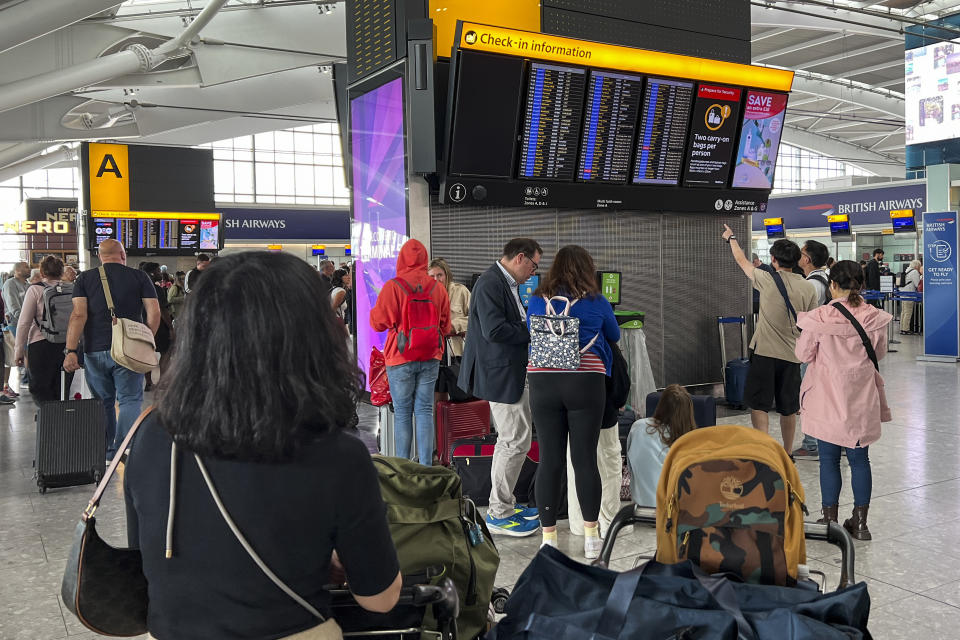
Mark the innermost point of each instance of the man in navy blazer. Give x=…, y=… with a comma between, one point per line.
x=494, y=367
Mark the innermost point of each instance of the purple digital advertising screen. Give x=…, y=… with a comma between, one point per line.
x=379, y=225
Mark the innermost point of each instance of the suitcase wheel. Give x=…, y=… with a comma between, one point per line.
x=97, y=476
x=499, y=599
x=41, y=485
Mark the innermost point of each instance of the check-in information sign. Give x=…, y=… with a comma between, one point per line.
x=941, y=318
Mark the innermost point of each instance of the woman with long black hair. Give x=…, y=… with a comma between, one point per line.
x=268, y=427
x=569, y=403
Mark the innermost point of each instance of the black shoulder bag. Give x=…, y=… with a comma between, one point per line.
x=783, y=292
x=867, y=343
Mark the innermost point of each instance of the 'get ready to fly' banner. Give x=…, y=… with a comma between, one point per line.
x=759, y=140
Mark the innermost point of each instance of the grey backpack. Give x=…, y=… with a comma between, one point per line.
x=57, y=307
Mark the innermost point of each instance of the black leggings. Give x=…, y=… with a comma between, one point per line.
x=567, y=405
x=45, y=362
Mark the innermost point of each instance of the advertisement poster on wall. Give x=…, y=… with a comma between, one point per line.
x=759, y=140
x=941, y=317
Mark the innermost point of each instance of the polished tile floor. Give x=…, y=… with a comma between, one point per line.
x=912, y=566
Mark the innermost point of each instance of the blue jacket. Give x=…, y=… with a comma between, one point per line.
x=494, y=365
x=596, y=317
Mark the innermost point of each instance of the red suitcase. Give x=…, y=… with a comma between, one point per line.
x=459, y=420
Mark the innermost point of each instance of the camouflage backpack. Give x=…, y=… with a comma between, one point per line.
x=730, y=500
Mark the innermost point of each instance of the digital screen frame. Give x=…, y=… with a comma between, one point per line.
x=839, y=226
x=775, y=229
x=379, y=205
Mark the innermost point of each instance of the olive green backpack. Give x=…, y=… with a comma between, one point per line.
x=439, y=533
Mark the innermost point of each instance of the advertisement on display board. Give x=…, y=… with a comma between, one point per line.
x=941, y=318
x=715, y=118
x=759, y=140
x=379, y=201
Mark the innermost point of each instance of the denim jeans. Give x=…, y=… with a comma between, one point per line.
x=860, y=476
x=113, y=384
x=411, y=386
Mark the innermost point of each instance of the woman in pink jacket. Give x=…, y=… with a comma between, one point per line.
x=842, y=399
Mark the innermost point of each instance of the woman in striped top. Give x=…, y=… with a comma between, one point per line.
x=570, y=403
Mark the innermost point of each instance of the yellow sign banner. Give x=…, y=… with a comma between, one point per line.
x=156, y=215
x=769, y=222
x=838, y=217
x=901, y=213
x=36, y=226
x=479, y=37
x=109, y=176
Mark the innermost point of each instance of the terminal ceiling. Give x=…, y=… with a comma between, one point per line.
x=261, y=65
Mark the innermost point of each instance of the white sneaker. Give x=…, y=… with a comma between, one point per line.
x=591, y=547
x=549, y=543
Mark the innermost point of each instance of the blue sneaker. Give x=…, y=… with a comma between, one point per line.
x=527, y=513
x=513, y=526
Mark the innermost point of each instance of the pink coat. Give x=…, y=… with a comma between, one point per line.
x=842, y=398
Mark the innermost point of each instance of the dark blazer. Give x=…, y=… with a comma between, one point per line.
x=873, y=275
x=494, y=365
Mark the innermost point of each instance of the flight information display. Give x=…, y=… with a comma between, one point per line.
x=662, y=141
x=127, y=233
x=165, y=236
x=551, y=122
x=610, y=119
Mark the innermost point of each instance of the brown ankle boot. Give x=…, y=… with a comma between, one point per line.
x=857, y=524
x=830, y=514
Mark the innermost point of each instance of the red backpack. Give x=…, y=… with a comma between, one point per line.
x=418, y=337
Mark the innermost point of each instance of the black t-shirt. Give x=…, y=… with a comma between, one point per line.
x=128, y=287
x=293, y=514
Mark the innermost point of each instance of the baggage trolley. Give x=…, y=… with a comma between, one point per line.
x=830, y=532
x=405, y=621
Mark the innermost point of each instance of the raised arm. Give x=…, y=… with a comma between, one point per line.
x=737, y=252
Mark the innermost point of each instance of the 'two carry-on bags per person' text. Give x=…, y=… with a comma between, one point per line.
x=71, y=442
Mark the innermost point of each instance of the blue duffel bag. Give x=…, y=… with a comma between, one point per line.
x=558, y=598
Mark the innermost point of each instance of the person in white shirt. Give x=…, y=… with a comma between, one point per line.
x=650, y=440
x=913, y=277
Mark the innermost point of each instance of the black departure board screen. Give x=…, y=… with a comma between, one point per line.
x=483, y=139
x=610, y=119
x=127, y=232
x=551, y=122
x=662, y=140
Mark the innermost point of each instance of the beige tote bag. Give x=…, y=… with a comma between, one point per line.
x=133, y=346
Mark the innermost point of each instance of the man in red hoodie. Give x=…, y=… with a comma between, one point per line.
x=412, y=361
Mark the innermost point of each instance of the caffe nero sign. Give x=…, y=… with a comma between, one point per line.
x=863, y=206
x=286, y=224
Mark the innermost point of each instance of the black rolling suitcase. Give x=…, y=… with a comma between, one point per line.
x=71, y=442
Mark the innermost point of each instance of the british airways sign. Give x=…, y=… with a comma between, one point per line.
x=864, y=206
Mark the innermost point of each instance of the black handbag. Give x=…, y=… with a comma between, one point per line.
x=102, y=585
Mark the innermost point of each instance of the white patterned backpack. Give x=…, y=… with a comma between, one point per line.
x=555, y=338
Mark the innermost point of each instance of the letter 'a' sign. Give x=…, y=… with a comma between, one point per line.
x=109, y=177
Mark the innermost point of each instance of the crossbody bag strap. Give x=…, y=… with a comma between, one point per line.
x=249, y=549
x=783, y=292
x=106, y=291
x=864, y=338
x=98, y=494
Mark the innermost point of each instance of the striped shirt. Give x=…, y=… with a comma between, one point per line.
x=589, y=363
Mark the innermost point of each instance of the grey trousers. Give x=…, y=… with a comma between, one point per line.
x=514, y=433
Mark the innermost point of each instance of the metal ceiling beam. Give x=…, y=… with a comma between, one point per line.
x=856, y=23
x=846, y=124
x=798, y=47
x=773, y=33
x=134, y=59
x=886, y=64
x=875, y=100
x=850, y=54
x=873, y=161
x=23, y=21
x=869, y=135
x=39, y=162
x=889, y=83
x=21, y=151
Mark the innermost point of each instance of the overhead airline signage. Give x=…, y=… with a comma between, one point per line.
x=528, y=44
x=155, y=215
